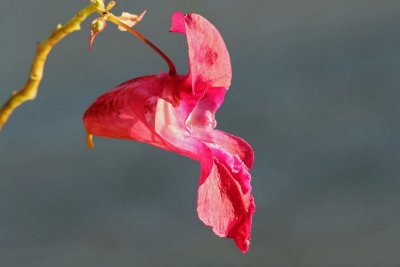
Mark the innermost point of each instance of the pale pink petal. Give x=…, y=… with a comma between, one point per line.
x=202, y=121
x=232, y=144
x=203, y=114
x=169, y=125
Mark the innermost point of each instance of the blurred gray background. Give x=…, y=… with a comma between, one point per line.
x=315, y=91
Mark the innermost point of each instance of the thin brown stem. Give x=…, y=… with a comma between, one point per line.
x=115, y=20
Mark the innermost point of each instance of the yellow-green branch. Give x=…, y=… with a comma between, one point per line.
x=29, y=91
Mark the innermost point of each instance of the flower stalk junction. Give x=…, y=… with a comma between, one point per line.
x=30, y=89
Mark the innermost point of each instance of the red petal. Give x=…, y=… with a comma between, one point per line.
x=224, y=199
x=202, y=121
x=232, y=144
x=142, y=109
x=209, y=61
x=178, y=23
x=128, y=111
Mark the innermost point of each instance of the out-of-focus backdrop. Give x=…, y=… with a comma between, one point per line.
x=315, y=91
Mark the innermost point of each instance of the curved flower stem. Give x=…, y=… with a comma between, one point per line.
x=172, y=69
x=29, y=91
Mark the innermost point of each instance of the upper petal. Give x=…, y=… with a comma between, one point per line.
x=209, y=61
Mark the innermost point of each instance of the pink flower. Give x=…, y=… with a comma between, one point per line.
x=176, y=113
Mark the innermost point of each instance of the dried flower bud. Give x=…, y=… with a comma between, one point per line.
x=130, y=19
x=98, y=25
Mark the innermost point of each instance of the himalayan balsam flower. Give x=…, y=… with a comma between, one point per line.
x=176, y=113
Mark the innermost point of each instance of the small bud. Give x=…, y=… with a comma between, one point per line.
x=98, y=25
x=130, y=19
x=110, y=5
x=89, y=140
x=98, y=3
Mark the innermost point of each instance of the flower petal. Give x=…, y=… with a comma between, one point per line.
x=232, y=144
x=128, y=111
x=178, y=23
x=203, y=114
x=209, y=61
x=202, y=121
x=224, y=199
x=143, y=110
